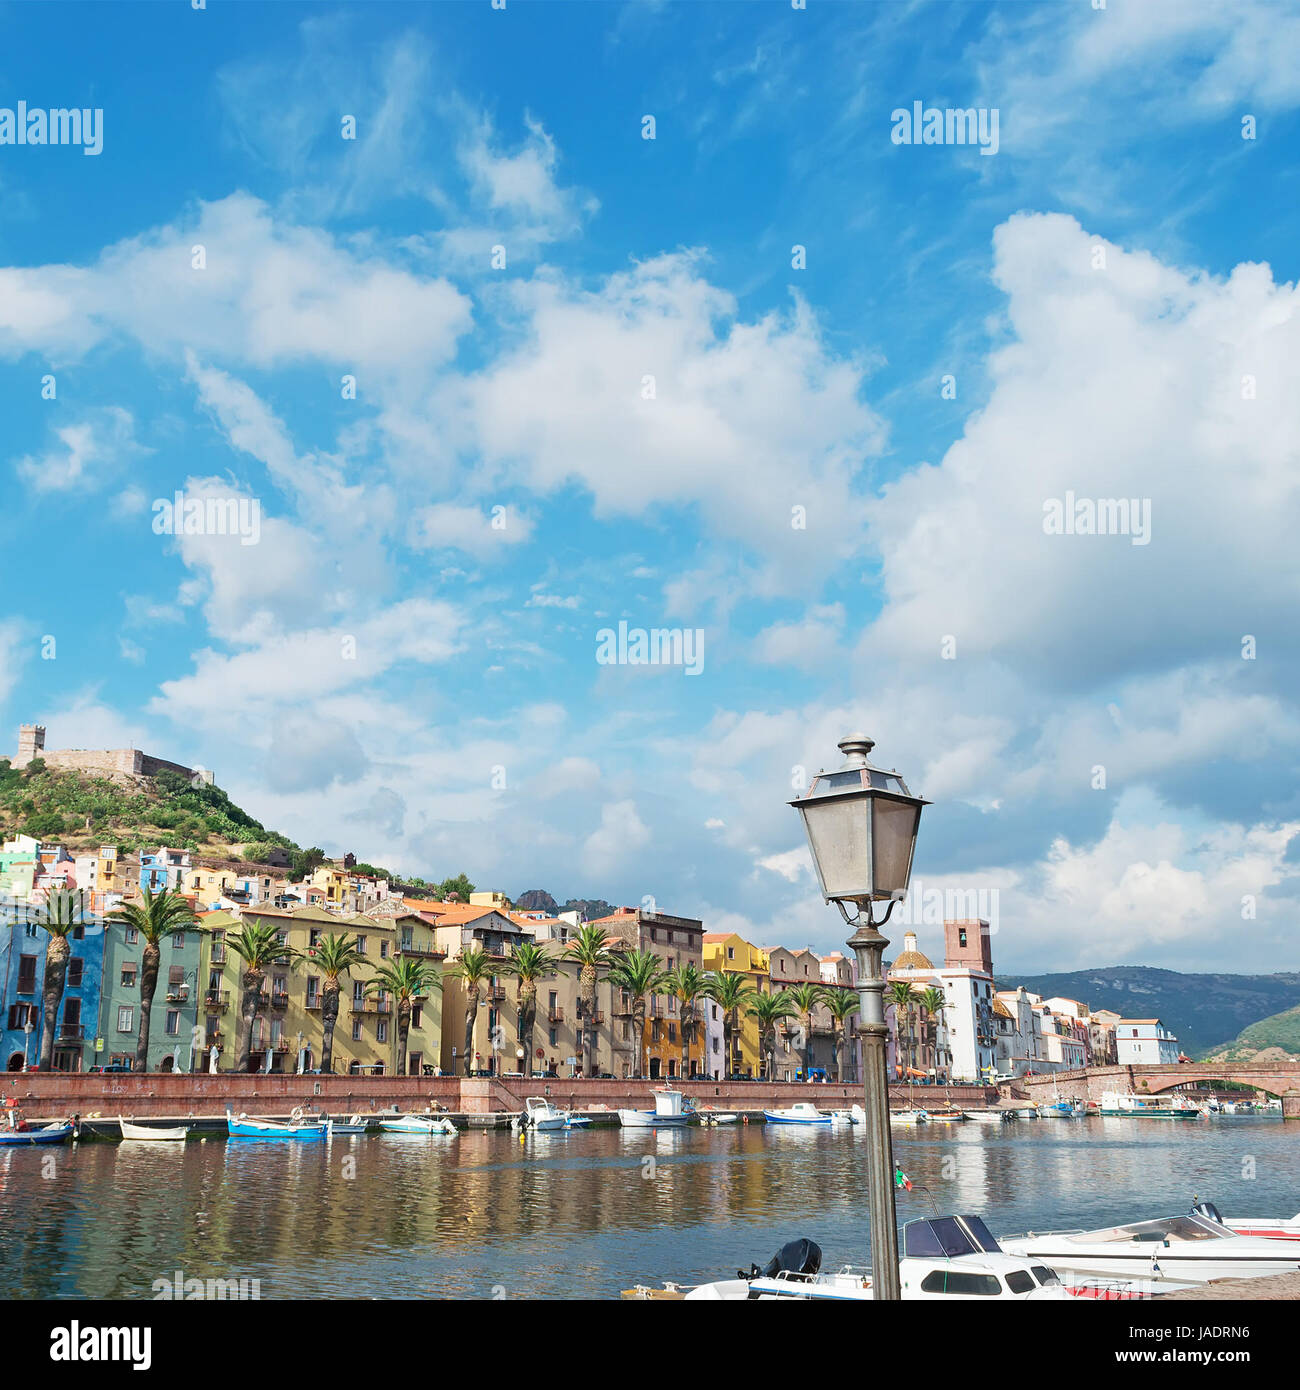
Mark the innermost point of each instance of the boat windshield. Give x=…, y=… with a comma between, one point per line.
x=1174, y=1229
x=948, y=1236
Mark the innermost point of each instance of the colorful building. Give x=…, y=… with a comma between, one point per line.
x=23, y=943
x=175, y=1034
x=730, y=953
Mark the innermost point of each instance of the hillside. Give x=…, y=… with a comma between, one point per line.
x=1205, y=1011
x=1272, y=1039
x=83, y=811
x=539, y=900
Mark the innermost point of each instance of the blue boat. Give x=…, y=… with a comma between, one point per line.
x=245, y=1127
x=47, y=1134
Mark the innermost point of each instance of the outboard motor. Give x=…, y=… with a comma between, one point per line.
x=1207, y=1210
x=796, y=1257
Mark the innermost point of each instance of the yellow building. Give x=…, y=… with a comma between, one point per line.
x=729, y=952
x=332, y=882
x=290, y=1021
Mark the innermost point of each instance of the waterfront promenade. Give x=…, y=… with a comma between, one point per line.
x=160, y=1095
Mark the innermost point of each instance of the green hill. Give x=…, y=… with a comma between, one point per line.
x=1276, y=1035
x=1206, y=1012
x=82, y=811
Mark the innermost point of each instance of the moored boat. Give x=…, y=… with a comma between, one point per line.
x=418, y=1124
x=1115, y=1104
x=1191, y=1249
x=671, y=1112
x=908, y=1117
x=946, y=1117
x=133, y=1131
x=801, y=1113
x=540, y=1114
x=299, y=1127
x=54, y=1133
x=355, y=1124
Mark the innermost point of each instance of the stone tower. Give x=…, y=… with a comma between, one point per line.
x=966, y=944
x=31, y=743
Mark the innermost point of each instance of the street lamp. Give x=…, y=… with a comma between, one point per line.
x=861, y=823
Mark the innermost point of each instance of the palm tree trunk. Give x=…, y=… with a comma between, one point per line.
x=249, y=1008
x=148, y=984
x=471, y=1013
x=403, y=1032
x=638, y=1022
x=56, y=972
x=329, y=1015
x=807, y=1049
x=587, y=980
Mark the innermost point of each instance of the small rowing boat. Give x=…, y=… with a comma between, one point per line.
x=173, y=1135
x=54, y=1133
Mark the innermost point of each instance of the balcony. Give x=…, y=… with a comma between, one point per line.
x=70, y=1032
x=315, y=1001
x=555, y=1014
x=218, y=956
x=383, y=1006
x=279, y=998
x=178, y=994
x=217, y=999
x=426, y=948
x=495, y=994
x=621, y=1008
x=364, y=1006
x=597, y=1017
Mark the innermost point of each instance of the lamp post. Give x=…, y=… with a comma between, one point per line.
x=861, y=823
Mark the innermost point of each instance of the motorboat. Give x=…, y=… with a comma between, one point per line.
x=946, y=1117
x=539, y=1113
x=574, y=1121
x=1063, y=1110
x=1123, y=1103
x=131, y=1131
x=991, y=1117
x=671, y=1112
x=944, y=1258
x=908, y=1117
x=22, y=1133
x=709, y=1116
x=1238, y=1107
x=841, y=1117
x=299, y=1127
x=1190, y=1249
x=801, y=1113
x=1026, y=1112
x=418, y=1124
x=1267, y=1227
x=355, y=1124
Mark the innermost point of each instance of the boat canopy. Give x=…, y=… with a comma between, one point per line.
x=948, y=1237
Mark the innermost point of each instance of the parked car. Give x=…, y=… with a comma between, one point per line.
x=111, y=1066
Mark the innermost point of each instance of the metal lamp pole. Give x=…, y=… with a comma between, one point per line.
x=868, y=946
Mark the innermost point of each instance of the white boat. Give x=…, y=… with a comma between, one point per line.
x=908, y=1117
x=539, y=1113
x=1191, y=1249
x=709, y=1116
x=130, y=1131
x=1026, y=1112
x=944, y=1259
x=354, y=1124
x=857, y=1114
x=990, y=1117
x=841, y=1117
x=1265, y=1227
x=670, y=1112
x=418, y=1124
x=801, y=1113
x=1125, y=1104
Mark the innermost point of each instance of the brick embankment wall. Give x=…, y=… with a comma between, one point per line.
x=167, y=1094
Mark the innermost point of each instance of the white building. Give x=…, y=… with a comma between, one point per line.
x=968, y=1029
x=1144, y=1040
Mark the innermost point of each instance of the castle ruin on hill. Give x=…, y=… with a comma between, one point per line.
x=119, y=763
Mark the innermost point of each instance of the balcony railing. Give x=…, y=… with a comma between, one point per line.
x=218, y=956
x=315, y=1001
x=621, y=1008
x=71, y=1032
x=555, y=1014
x=364, y=1006
x=597, y=1016
x=217, y=999
x=178, y=994
x=495, y=994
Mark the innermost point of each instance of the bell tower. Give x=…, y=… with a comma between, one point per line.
x=966, y=944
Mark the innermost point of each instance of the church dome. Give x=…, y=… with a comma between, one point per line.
x=911, y=958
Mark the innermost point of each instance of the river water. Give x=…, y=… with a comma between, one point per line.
x=581, y=1214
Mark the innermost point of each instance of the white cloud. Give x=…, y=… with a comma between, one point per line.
x=87, y=455
x=621, y=834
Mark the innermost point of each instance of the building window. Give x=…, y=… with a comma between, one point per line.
x=27, y=975
x=125, y=1018
x=554, y=1037
x=128, y=976
x=75, y=967
x=381, y=1030
x=178, y=941
x=173, y=1022
x=383, y=950
x=356, y=1030
x=731, y=953
x=417, y=1013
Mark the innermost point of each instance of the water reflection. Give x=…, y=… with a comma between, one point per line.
x=576, y=1213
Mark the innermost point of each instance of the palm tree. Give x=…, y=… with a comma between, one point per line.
x=769, y=1010
x=156, y=918
x=638, y=973
x=730, y=992
x=805, y=999
x=407, y=980
x=590, y=950
x=474, y=969
x=529, y=964
x=933, y=1002
x=686, y=984
x=903, y=997
x=62, y=913
x=334, y=955
x=842, y=1004
x=259, y=946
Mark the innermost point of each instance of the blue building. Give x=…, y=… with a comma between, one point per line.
x=23, y=944
x=163, y=869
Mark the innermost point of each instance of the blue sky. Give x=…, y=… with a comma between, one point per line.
x=386, y=671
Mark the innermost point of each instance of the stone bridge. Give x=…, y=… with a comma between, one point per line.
x=1089, y=1083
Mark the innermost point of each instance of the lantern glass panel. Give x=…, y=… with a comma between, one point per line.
x=895, y=825
x=837, y=836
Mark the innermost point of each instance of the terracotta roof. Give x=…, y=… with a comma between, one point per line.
x=1000, y=1008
